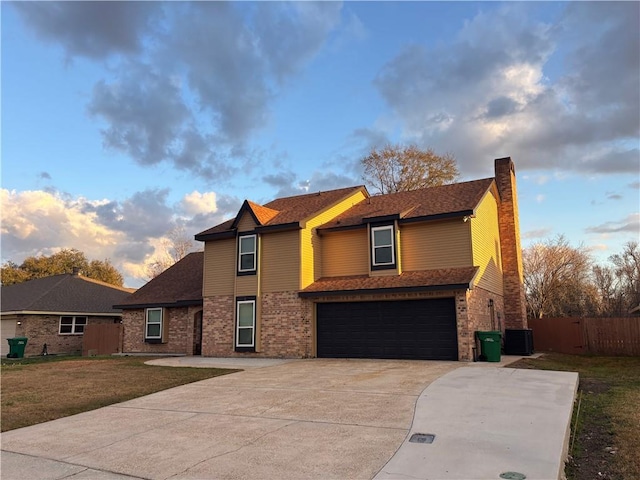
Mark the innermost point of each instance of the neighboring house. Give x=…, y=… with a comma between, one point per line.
x=165, y=315
x=55, y=311
x=345, y=274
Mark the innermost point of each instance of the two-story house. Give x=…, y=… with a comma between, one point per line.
x=346, y=274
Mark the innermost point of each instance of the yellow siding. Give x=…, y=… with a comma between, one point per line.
x=429, y=245
x=246, y=285
x=310, y=250
x=345, y=253
x=280, y=261
x=219, y=267
x=485, y=233
x=246, y=223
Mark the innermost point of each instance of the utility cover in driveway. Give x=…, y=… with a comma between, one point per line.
x=407, y=329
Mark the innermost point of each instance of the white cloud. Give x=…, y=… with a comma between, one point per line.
x=195, y=202
x=130, y=233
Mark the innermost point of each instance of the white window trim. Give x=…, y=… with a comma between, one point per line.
x=73, y=324
x=146, y=323
x=255, y=251
x=374, y=246
x=252, y=327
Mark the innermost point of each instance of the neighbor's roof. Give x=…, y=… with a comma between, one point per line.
x=444, y=201
x=179, y=285
x=283, y=212
x=424, y=280
x=65, y=293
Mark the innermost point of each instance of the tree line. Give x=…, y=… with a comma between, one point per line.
x=564, y=281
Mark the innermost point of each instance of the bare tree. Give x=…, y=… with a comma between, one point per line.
x=174, y=248
x=557, y=279
x=626, y=266
x=396, y=168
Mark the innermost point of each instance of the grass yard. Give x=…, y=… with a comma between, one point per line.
x=36, y=390
x=608, y=421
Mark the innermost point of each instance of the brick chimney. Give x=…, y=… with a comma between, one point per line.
x=515, y=311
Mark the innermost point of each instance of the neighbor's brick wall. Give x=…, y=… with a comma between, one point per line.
x=41, y=329
x=179, y=321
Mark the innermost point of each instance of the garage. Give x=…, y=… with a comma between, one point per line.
x=406, y=329
x=8, y=330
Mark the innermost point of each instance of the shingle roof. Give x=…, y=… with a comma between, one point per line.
x=62, y=293
x=439, y=279
x=180, y=284
x=290, y=210
x=457, y=198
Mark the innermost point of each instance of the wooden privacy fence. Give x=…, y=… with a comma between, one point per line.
x=596, y=336
x=101, y=339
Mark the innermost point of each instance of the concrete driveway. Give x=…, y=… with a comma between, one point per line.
x=318, y=418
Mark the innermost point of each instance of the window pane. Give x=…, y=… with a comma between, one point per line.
x=383, y=255
x=81, y=320
x=247, y=244
x=382, y=237
x=79, y=329
x=154, y=316
x=66, y=320
x=246, y=261
x=245, y=336
x=153, y=330
x=245, y=314
x=65, y=328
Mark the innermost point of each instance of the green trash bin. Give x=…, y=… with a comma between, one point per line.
x=16, y=347
x=490, y=345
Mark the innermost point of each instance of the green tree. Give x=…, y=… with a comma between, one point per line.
x=396, y=168
x=65, y=261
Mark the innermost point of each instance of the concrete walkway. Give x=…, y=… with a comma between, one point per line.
x=320, y=418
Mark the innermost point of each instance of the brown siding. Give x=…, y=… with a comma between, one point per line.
x=246, y=285
x=219, y=267
x=430, y=245
x=311, y=243
x=345, y=253
x=279, y=261
x=485, y=234
x=246, y=223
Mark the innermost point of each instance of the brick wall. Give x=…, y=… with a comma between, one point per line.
x=286, y=328
x=480, y=316
x=41, y=329
x=179, y=321
x=515, y=307
x=217, y=326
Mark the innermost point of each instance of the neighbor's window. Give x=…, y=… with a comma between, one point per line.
x=382, y=251
x=247, y=254
x=153, y=324
x=72, y=325
x=245, y=323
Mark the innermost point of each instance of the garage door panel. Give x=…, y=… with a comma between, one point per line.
x=411, y=329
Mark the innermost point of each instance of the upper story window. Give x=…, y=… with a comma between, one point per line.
x=153, y=324
x=247, y=254
x=382, y=247
x=72, y=325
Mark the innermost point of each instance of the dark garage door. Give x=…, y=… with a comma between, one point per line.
x=409, y=329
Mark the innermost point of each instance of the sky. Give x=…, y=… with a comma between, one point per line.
x=122, y=121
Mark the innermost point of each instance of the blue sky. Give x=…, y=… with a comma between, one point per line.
x=123, y=120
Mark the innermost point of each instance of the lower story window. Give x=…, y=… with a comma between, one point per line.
x=153, y=324
x=245, y=324
x=71, y=325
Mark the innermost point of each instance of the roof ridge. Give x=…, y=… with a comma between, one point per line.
x=319, y=192
x=104, y=284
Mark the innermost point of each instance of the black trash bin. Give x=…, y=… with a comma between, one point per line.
x=16, y=347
